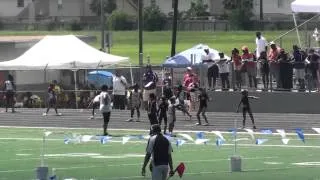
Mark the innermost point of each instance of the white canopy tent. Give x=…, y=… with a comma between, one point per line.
x=304, y=6
x=62, y=53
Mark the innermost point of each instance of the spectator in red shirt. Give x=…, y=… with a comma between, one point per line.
x=274, y=64
x=189, y=78
x=236, y=59
x=249, y=60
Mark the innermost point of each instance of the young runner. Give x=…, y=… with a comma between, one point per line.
x=135, y=102
x=152, y=109
x=52, y=100
x=203, y=98
x=9, y=88
x=105, y=107
x=162, y=111
x=246, y=108
x=172, y=114
x=95, y=104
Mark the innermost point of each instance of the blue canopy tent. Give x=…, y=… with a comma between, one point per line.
x=99, y=78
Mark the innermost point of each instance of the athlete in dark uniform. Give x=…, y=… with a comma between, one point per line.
x=203, y=98
x=246, y=108
x=162, y=111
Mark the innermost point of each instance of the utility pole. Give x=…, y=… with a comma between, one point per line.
x=140, y=27
x=174, y=27
x=261, y=10
x=102, y=23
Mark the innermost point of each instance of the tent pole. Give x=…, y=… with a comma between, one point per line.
x=297, y=29
x=162, y=78
x=75, y=87
x=132, y=80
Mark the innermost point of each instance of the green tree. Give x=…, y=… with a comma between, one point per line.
x=239, y=13
x=198, y=9
x=109, y=6
x=154, y=18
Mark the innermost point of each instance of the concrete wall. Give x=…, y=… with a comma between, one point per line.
x=269, y=102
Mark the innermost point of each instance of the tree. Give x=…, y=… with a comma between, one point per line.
x=198, y=9
x=154, y=18
x=239, y=13
x=109, y=6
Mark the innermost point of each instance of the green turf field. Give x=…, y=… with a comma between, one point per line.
x=20, y=154
x=158, y=44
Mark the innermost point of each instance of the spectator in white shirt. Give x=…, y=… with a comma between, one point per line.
x=224, y=71
x=212, y=68
x=119, y=91
x=262, y=44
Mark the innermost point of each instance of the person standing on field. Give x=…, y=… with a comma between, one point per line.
x=119, y=91
x=105, y=107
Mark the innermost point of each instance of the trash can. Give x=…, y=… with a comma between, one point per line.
x=42, y=173
x=235, y=163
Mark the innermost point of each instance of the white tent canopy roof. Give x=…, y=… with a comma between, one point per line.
x=306, y=6
x=61, y=52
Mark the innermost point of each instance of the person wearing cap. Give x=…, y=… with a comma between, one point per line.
x=135, y=98
x=211, y=69
x=119, y=90
x=274, y=64
x=159, y=147
x=249, y=62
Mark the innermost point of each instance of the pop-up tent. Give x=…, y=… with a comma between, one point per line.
x=190, y=57
x=61, y=52
x=99, y=78
x=304, y=6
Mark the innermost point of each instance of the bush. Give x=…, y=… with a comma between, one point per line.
x=121, y=21
x=154, y=19
x=240, y=20
x=76, y=26
x=1, y=25
x=51, y=26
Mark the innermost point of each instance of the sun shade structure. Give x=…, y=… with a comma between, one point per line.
x=306, y=6
x=190, y=57
x=62, y=52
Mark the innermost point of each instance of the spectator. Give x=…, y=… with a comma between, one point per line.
x=119, y=91
x=264, y=69
x=167, y=79
x=167, y=91
x=299, y=66
x=9, y=88
x=150, y=80
x=286, y=70
x=223, y=65
x=211, y=68
x=274, y=64
x=314, y=58
x=189, y=78
x=236, y=59
x=262, y=44
x=250, y=65
x=159, y=147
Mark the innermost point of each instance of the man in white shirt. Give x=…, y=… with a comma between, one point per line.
x=262, y=44
x=211, y=69
x=119, y=91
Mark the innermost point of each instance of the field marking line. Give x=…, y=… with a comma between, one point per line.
x=147, y=131
x=134, y=164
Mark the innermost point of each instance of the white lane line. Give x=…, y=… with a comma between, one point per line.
x=144, y=130
x=135, y=164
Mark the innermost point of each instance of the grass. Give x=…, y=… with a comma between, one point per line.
x=158, y=44
x=21, y=149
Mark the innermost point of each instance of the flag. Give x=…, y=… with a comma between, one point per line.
x=125, y=139
x=266, y=131
x=186, y=136
x=316, y=130
x=219, y=142
x=180, y=142
x=201, y=141
x=47, y=133
x=104, y=139
x=218, y=133
x=261, y=141
x=66, y=140
x=168, y=137
x=180, y=169
x=86, y=138
x=233, y=131
x=300, y=134
x=282, y=133
x=200, y=135
x=250, y=132
x=285, y=141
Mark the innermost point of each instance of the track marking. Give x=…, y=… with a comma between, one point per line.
x=307, y=164
x=273, y=163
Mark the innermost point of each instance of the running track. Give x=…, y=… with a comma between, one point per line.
x=77, y=118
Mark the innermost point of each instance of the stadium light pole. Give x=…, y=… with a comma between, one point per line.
x=102, y=23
